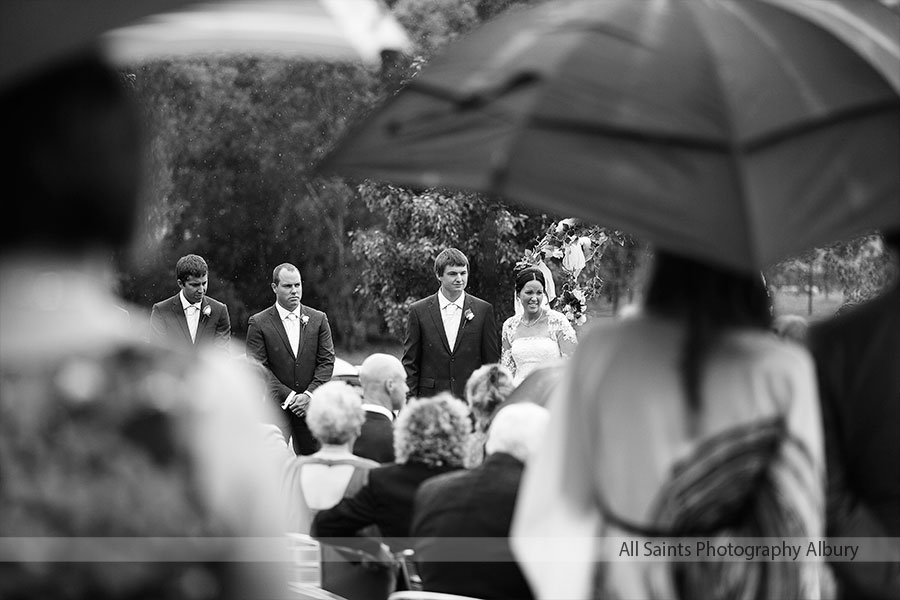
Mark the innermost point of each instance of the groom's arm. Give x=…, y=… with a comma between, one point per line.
x=490, y=342
x=412, y=352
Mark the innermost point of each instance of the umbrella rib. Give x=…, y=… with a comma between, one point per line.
x=734, y=149
x=800, y=129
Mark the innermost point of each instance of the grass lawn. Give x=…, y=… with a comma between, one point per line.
x=797, y=304
x=785, y=304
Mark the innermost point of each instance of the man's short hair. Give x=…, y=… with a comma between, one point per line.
x=451, y=257
x=190, y=265
x=517, y=429
x=282, y=267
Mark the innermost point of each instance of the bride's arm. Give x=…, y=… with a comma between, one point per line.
x=563, y=332
x=506, y=358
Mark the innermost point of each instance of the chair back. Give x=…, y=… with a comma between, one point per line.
x=306, y=560
x=358, y=575
x=422, y=595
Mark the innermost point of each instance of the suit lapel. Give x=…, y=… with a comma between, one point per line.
x=204, y=320
x=467, y=306
x=302, y=330
x=181, y=317
x=279, y=327
x=435, y=310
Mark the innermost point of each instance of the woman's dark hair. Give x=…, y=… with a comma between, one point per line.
x=70, y=158
x=529, y=274
x=710, y=300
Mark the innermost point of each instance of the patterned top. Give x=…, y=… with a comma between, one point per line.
x=528, y=347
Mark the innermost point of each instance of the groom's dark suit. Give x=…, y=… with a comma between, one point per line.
x=267, y=342
x=431, y=365
x=168, y=324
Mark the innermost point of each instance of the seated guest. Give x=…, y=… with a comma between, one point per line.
x=487, y=388
x=478, y=504
x=383, y=380
x=320, y=480
x=430, y=437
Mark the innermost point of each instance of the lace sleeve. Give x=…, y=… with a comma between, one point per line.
x=561, y=330
x=506, y=358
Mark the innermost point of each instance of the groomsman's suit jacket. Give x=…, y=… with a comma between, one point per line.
x=267, y=342
x=431, y=365
x=168, y=324
x=376, y=438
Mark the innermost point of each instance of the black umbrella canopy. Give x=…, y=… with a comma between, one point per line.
x=736, y=131
x=34, y=32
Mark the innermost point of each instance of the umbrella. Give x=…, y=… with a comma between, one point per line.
x=34, y=32
x=735, y=131
x=344, y=30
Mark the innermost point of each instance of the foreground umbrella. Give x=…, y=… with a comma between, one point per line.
x=345, y=30
x=737, y=131
x=33, y=32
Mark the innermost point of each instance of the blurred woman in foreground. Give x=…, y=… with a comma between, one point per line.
x=136, y=470
x=671, y=424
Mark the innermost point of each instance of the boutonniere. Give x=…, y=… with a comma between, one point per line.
x=207, y=310
x=304, y=319
x=469, y=314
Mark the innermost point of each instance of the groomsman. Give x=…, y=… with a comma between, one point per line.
x=294, y=343
x=448, y=334
x=190, y=319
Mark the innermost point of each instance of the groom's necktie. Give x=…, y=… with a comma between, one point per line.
x=192, y=312
x=451, y=322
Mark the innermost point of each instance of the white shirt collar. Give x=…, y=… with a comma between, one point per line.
x=283, y=312
x=185, y=303
x=377, y=408
x=443, y=301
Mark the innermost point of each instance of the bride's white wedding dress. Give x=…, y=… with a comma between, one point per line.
x=526, y=348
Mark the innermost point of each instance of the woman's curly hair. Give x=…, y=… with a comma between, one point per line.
x=487, y=388
x=433, y=432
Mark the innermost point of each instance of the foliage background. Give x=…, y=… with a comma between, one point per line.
x=231, y=153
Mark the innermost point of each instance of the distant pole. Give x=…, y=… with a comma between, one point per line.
x=809, y=288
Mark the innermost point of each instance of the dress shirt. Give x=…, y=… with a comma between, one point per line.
x=291, y=322
x=451, y=313
x=377, y=408
x=192, y=314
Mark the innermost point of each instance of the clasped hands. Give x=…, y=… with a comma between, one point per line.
x=297, y=404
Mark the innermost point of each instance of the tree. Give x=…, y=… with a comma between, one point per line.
x=399, y=252
x=231, y=180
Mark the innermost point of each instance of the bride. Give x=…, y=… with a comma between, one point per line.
x=537, y=335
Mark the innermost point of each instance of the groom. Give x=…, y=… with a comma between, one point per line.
x=448, y=334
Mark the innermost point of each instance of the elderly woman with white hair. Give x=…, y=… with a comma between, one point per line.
x=319, y=481
x=486, y=390
x=430, y=438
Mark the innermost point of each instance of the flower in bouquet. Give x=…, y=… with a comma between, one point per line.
x=573, y=304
